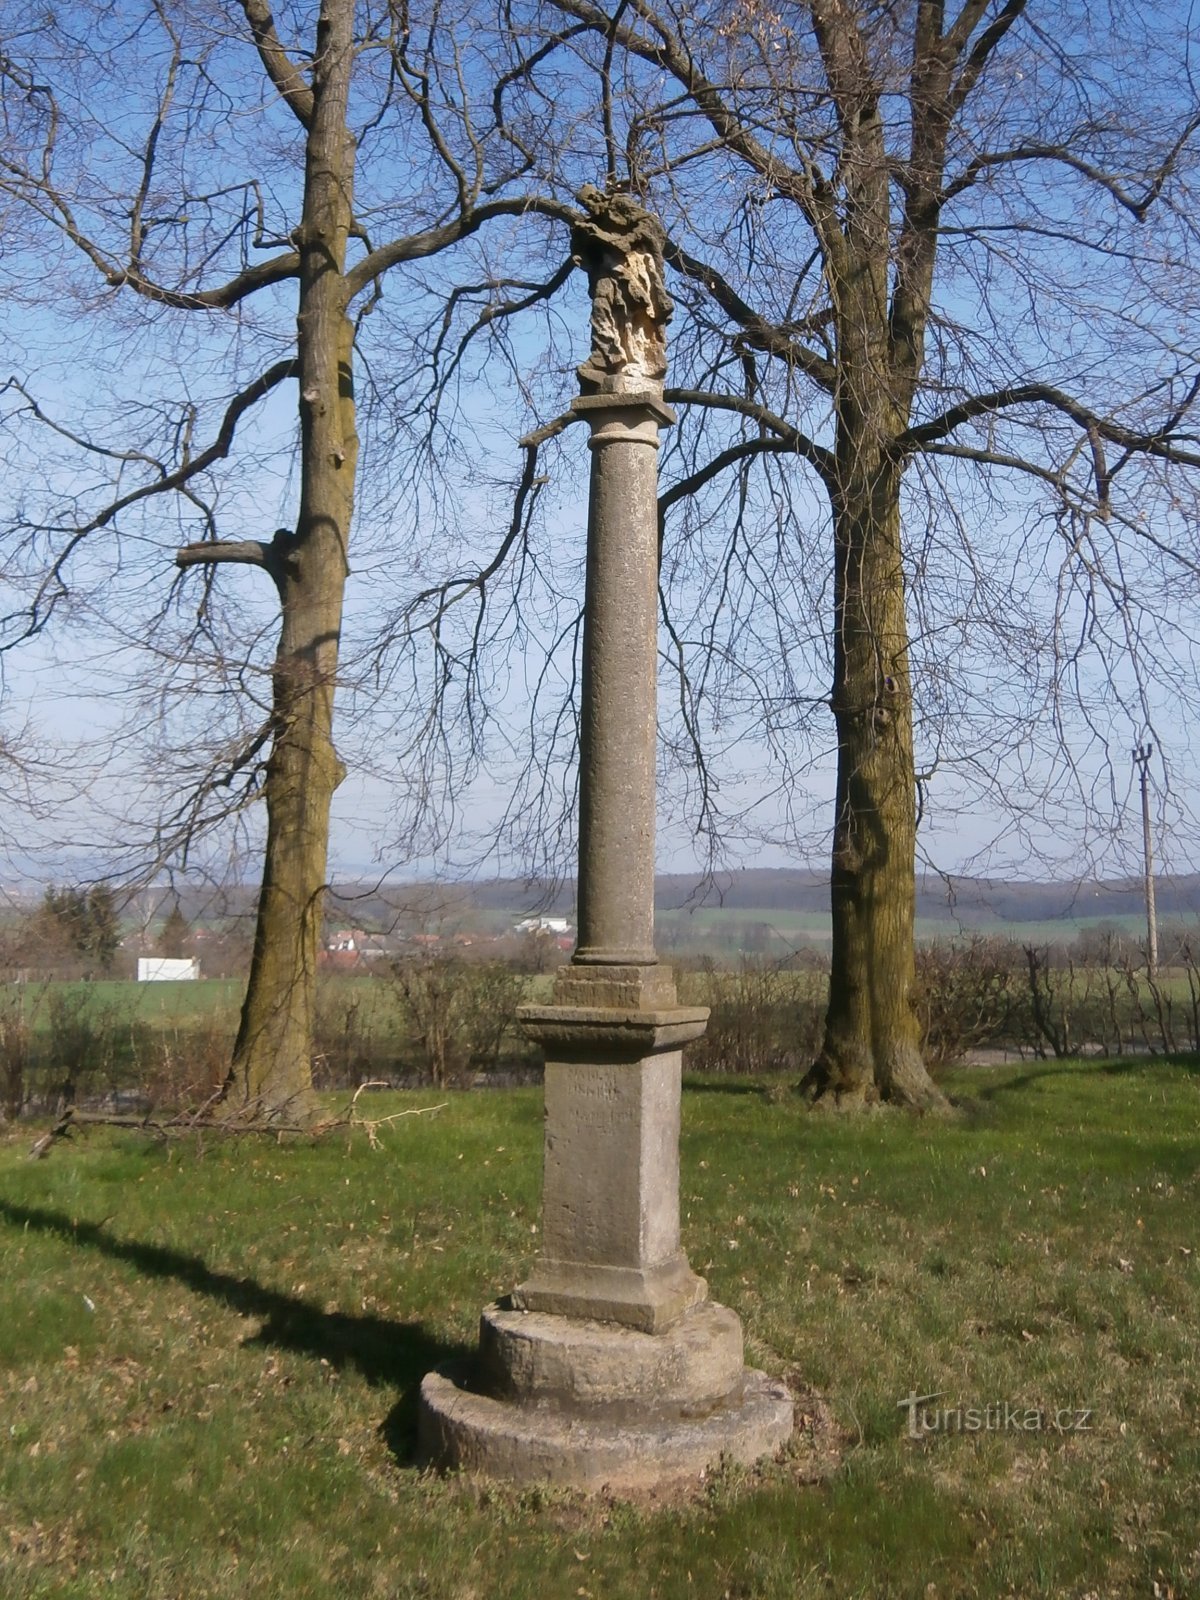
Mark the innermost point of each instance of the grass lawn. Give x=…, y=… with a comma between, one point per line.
x=208, y=1354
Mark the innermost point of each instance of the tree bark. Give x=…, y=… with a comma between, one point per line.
x=872, y=1048
x=271, y=1069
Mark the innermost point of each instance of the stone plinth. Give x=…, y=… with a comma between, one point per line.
x=608, y=1367
x=605, y=1369
x=610, y=1197
x=636, y=1448
x=594, y=1405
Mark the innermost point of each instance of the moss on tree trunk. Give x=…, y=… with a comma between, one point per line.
x=271, y=1070
x=872, y=1049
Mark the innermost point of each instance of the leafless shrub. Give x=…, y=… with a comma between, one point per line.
x=1051, y=1002
x=1095, y=1006
x=534, y=952
x=353, y=1040
x=456, y=1014
x=761, y=1019
x=968, y=995
x=16, y=1049
x=1189, y=960
x=87, y=1044
x=179, y=1066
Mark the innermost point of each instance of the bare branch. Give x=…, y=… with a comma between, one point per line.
x=431, y=241
x=987, y=42
x=757, y=332
x=52, y=586
x=280, y=68
x=1065, y=155
x=733, y=456
x=806, y=186
x=789, y=437
x=50, y=204
x=211, y=553
x=1166, y=445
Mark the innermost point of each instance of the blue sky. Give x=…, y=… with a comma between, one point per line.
x=117, y=697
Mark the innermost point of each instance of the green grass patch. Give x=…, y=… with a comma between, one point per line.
x=209, y=1352
x=165, y=1003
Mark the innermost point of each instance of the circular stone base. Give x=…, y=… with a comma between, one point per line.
x=535, y=1444
x=595, y=1367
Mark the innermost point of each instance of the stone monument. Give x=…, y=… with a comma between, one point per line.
x=609, y=1366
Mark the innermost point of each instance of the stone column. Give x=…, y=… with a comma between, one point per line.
x=608, y=1365
x=619, y=724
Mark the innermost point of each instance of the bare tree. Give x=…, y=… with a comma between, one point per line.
x=226, y=197
x=936, y=280
x=936, y=270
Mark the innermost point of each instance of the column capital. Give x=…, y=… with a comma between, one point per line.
x=624, y=415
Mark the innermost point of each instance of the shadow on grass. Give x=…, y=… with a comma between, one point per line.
x=730, y=1085
x=1076, y=1066
x=392, y=1354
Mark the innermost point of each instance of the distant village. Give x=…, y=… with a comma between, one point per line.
x=155, y=935
x=346, y=948
x=163, y=931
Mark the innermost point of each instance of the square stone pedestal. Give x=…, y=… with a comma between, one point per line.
x=610, y=1200
x=608, y=1367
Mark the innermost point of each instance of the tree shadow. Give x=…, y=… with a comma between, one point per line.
x=387, y=1354
x=731, y=1085
x=1117, y=1067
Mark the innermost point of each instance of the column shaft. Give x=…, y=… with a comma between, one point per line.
x=617, y=791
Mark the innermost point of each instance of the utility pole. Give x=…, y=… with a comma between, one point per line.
x=1141, y=757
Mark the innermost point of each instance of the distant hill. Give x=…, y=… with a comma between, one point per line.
x=966, y=899
x=776, y=889
x=791, y=897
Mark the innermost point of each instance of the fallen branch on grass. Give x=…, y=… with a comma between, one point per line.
x=370, y=1125
x=202, y=1120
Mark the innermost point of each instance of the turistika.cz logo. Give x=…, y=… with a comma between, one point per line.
x=998, y=1416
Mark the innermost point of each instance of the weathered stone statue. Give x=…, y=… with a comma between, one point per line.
x=609, y=1366
x=620, y=247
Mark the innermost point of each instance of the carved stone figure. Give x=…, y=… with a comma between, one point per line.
x=620, y=246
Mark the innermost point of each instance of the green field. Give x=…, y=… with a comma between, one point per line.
x=721, y=931
x=208, y=1353
x=167, y=1003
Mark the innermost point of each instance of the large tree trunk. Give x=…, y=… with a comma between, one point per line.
x=271, y=1070
x=871, y=1049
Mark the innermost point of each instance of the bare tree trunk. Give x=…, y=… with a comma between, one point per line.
x=272, y=1066
x=871, y=1049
